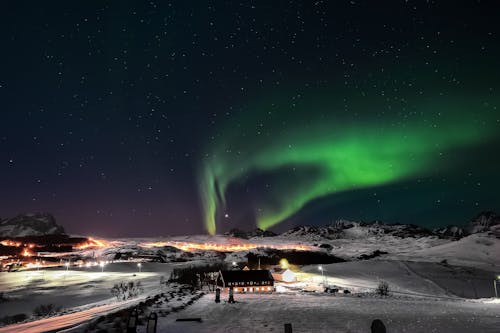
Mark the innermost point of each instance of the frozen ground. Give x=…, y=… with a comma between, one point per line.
x=86, y=287
x=427, y=295
x=478, y=250
x=425, y=279
x=326, y=313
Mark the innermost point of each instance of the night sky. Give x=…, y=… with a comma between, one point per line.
x=142, y=118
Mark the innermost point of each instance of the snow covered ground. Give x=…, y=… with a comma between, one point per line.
x=424, y=279
x=477, y=250
x=73, y=288
x=313, y=312
x=427, y=294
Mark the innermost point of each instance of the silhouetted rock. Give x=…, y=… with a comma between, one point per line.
x=249, y=234
x=378, y=326
x=485, y=221
x=451, y=231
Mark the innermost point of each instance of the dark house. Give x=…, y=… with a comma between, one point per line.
x=247, y=281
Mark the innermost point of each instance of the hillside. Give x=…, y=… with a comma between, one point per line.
x=39, y=224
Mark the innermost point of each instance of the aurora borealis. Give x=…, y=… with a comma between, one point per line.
x=163, y=118
x=313, y=157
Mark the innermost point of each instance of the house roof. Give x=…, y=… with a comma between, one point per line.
x=282, y=271
x=247, y=276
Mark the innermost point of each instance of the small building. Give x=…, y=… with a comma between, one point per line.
x=246, y=280
x=284, y=275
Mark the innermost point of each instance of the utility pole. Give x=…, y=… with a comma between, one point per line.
x=259, y=264
x=495, y=286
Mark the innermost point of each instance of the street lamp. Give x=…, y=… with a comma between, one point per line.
x=67, y=265
x=495, y=281
x=102, y=266
x=322, y=274
x=139, y=265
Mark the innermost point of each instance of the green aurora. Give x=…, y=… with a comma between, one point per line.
x=323, y=152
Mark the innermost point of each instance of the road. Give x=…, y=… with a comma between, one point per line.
x=54, y=324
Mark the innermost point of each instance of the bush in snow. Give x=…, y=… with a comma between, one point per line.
x=123, y=291
x=163, y=282
x=383, y=288
x=7, y=320
x=46, y=310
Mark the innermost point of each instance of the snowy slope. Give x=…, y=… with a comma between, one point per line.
x=479, y=250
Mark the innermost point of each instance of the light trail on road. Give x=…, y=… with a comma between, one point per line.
x=65, y=321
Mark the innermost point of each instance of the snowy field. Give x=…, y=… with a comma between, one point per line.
x=425, y=279
x=73, y=288
x=427, y=293
x=326, y=313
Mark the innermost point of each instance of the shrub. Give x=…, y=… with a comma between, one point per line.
x=383, y=288
x=46, y=310
x=7, y=320
x=3, y=298
x=163, y=282
x=126, y=290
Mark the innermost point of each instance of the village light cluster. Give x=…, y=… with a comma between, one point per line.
x=231, y=247
x=92, y=243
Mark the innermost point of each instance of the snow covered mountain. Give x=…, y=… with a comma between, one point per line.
x=485, y=222
x=347, y=229
x=38, y=224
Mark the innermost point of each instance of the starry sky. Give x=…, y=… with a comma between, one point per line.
x=147, y=118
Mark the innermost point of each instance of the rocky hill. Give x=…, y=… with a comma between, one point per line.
x=39, y=224
x=485, y=222
x=488, y=222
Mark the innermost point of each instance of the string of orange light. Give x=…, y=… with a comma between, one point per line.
x=190, y=246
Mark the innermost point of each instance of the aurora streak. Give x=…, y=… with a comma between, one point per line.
x=330, y=154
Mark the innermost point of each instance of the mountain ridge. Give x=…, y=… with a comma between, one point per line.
x=486, y=221
x=33, y=224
